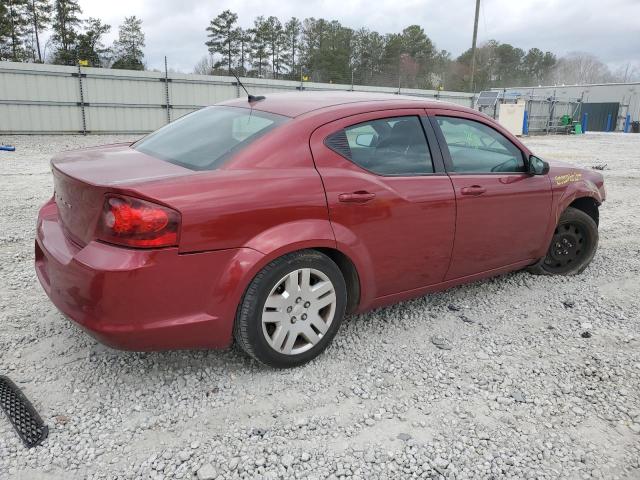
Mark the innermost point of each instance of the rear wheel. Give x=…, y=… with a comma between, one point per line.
x=292, y=309
x=573, y=245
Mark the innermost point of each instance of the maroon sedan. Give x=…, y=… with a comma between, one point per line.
x=267, y=221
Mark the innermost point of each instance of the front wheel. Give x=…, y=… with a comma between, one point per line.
x=574, y=243
x=292, y=309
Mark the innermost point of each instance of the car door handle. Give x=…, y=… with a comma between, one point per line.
x=473, y=190
x=356, y=197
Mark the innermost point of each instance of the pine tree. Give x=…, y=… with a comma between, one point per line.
x=127, y=50
x=5, y=44
x=274, y=37
x=90, y=46
x=39, y=17
x=65, y=23
x=368, y=49
x=312, y=42
x=418, y=58
x=259, y=38
x=292, y=30
x=223, y=38
x=327, y=50
x=16, y=21
x=244, y=42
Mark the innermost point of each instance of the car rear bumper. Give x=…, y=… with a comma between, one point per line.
x=139, y=299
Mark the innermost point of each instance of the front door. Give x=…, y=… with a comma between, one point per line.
x=502, y=211
x=388, y=196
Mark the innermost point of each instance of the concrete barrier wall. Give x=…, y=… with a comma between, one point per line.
x=36, y=98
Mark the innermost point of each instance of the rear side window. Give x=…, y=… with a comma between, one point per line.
x=205, y=139
x=389, y=146
x=477, y=148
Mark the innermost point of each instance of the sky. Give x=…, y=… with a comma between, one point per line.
x=609, y=29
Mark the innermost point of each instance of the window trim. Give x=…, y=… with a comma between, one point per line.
x=429, y=137
x=446, y=154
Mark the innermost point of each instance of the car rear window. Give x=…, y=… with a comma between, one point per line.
x=205, y=139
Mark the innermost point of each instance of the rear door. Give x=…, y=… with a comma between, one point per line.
x=389, y=197
x=502, y=211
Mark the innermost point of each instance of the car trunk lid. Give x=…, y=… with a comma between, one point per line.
x=82, y=177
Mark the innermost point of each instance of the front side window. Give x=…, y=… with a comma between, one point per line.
x=205, y=139
x=389, y=146
x=477, y=148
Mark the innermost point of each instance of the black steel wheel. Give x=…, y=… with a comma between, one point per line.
x=573, y=245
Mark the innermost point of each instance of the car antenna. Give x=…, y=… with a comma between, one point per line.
x=250, y=98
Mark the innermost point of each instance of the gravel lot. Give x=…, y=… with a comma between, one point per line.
x=520, y=394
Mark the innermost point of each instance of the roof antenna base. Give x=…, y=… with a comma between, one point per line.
x=250, y=98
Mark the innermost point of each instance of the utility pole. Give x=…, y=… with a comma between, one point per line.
x=473, y=48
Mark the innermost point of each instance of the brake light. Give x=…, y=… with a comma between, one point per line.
x=137, y=223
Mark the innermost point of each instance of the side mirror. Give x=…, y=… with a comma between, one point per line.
x=364, y=139
x=537, y=166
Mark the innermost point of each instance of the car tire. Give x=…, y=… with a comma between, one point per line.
x=573, y=246
x=291, y=310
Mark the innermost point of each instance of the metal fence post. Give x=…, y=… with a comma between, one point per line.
x=166, y=90
x=81, y=104
x=585, y=121
x=552, y=108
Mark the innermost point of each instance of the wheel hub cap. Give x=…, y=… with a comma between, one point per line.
x=298, y=311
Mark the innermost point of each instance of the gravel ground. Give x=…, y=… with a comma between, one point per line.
x=519, y=394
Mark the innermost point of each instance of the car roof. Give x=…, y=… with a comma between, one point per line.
x=294, y=104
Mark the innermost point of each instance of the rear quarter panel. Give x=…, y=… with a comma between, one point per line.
x=267, y=198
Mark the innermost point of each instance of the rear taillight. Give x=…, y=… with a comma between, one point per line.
x=137, y=223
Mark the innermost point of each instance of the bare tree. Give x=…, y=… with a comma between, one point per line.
x=205, y=66
x=627, y=73
x=581, y=67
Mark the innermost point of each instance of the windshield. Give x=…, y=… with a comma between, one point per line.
x=205, y=139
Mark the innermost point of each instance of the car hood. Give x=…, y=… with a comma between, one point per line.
x=553, y=163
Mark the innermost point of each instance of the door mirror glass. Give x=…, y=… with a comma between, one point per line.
x=365, y=139
x=537, y=166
